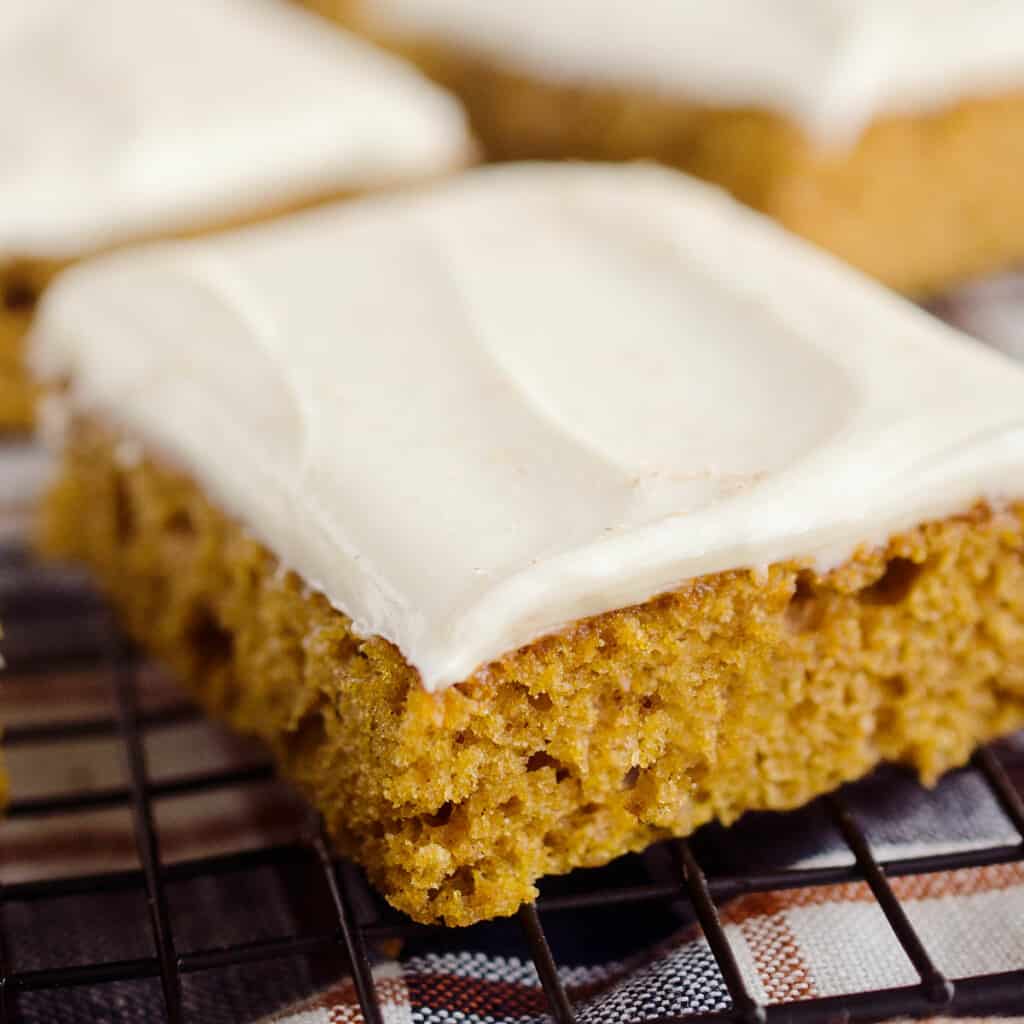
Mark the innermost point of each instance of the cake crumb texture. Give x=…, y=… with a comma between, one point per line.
x=921, y=201
x=738, y=691
x=21, y=284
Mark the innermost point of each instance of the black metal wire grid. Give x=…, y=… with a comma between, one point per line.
x=32, y=608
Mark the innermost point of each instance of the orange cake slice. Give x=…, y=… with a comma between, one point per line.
x=128, y=119
x=538, y=515
x=889, y=131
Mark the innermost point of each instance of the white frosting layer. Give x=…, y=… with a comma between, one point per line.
x=130, y=117
x=832, y=65
x=477, y=413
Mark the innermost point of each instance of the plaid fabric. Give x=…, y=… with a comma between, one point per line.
x=617, y=963
x=791, y=944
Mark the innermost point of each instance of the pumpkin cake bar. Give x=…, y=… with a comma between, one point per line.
x=126, y=119
x=889, y=131
x=540, y=514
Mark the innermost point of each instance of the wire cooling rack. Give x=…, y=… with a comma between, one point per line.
x=53, y=626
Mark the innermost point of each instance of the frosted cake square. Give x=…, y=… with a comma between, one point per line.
x=889, y=131
x=130, y=119
x=535, y=516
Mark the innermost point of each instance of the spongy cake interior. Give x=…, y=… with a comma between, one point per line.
x=739, y=691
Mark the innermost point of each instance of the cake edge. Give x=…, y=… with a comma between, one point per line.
x=740, y=691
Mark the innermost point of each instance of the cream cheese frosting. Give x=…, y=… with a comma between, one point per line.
x=124, y=118
x=473, y=414
x=832, y=65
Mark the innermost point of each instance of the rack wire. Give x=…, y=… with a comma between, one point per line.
x=35, y=608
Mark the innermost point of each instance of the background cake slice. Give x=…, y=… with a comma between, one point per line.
x=889, y=131
x=128, y=119
x=538, y=515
